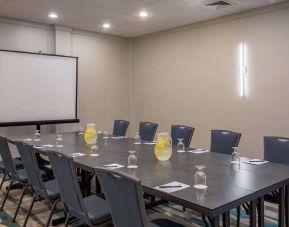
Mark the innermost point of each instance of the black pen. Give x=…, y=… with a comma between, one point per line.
x=171, y=186
x=257, y=161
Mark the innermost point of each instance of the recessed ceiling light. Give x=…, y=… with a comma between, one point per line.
x=53, y=15
x=106, y=25
x=143, y=14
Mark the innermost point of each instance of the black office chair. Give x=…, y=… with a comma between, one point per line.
x=223, y=141
x=92, y=210
x=124, y=194
x=47, y=190
x=147, y=130
x=120, y=127
x=276, y=149
x=182, y=132
x=15, y=175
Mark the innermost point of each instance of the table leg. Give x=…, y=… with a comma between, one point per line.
x=287, y=205
x=281, y=207
x=261, y=212
x=253, y=213
x=216, y=222
x=226, y=219
x=86, y=182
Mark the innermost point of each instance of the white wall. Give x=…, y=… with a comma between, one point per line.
x=192, y=77
x=103, y=69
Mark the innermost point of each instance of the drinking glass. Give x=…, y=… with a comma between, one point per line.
x=180, y=146
x=93, y=148
x=235, y=155
x=59, y=141
x=81, y=130
x=200, y=178
x=37, y=135
x=137, y=138
x=105, y=135
x=132, y=160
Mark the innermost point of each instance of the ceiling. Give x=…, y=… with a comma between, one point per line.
x=122, y=14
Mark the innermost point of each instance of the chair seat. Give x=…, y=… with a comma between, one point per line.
x=160, y=222
x=52, y=189
x=23, y=175
x=272, y=197
x=97, y=208
x=17, y=161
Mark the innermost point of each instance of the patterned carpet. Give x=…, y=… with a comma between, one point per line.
x=41, y=210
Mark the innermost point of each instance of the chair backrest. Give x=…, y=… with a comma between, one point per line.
x=7, y=158
x=182, y=132
x=120, y=127
x=222, y=141
x=124, y=195
x=31, y=167
x=64, y=171
x=147, y=130
x=276, y=149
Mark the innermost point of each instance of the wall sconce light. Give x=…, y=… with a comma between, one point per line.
x=243, y=69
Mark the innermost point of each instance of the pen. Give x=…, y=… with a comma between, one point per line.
x=171, y=186
x=257, y=161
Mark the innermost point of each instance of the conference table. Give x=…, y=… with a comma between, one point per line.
x=229, y=185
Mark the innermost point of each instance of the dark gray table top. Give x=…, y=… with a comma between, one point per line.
x=228, y=185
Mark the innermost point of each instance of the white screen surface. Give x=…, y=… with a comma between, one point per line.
x=35, y=87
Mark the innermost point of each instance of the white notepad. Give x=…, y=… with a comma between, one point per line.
x=94, y=155
x=169, y=187
x=114, y=166
x=44, y=146
x=256, y=161
x=198, y=151
x=74, y=155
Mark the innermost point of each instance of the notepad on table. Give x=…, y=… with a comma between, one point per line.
x=150, y=143
x=44, y=146
x=74, y=155
x=94, y=155
x=256, y=161
x=198, y=151
x=119, y=137
x=113, y=166
x=172, y=187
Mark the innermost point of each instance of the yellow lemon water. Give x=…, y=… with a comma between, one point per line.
x=163, y=149
x=90, y=135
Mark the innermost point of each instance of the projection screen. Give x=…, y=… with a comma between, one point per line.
x=37, y=88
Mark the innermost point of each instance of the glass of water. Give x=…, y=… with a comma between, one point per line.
x=180, y=146
x=59, y=141
x=137, y=138
x=105, y=135
x=81, y=130
x=37, y=135
x=200, y=178
x=93, y=148
x=132, y=160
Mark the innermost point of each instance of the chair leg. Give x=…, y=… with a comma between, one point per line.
x=29, y=211
x=20, y=201
x=238, y=216
x=66, y=221
x=6, y=196
x=51, y=211
x=3, y=179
